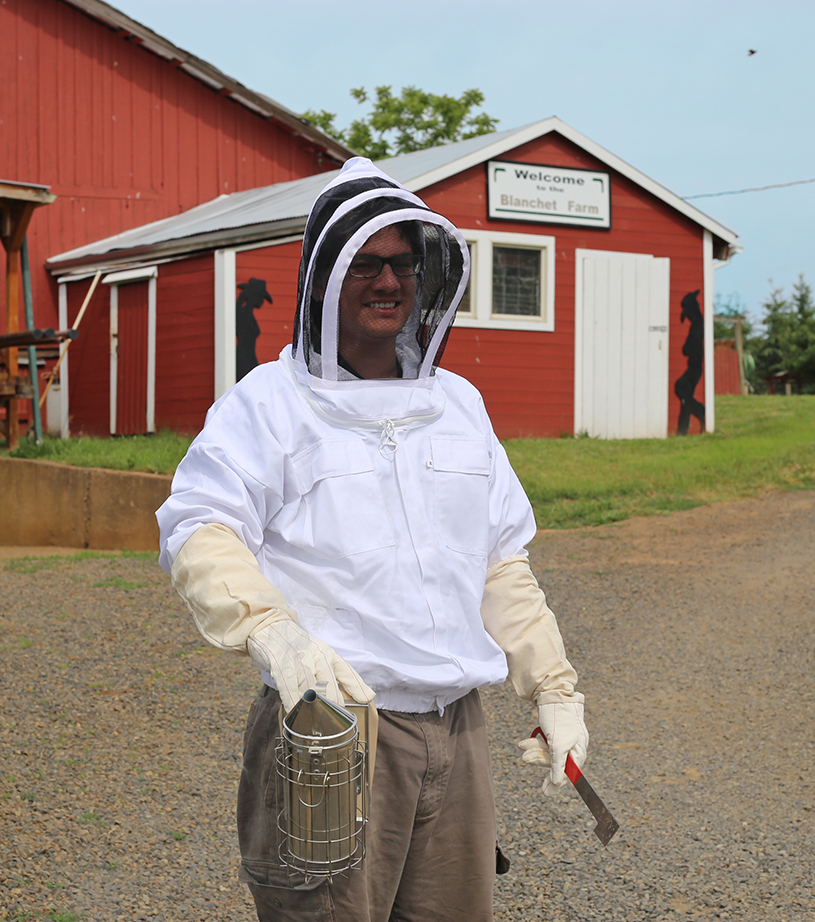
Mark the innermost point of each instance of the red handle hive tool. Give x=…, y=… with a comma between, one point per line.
x=606, y=824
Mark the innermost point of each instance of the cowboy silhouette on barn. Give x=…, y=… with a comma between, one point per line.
x=253, y=294
x=694, y=349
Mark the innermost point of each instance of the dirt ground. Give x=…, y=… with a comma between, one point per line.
x=692, y=633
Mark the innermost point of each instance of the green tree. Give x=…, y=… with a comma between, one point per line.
x=725, y=310
x=414, y=120
x=788, y=341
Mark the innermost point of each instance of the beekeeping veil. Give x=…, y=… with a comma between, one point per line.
x=358, y=203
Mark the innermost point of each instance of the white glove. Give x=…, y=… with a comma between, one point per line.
x=236, y=608
x=297, y=661
x=565, y=730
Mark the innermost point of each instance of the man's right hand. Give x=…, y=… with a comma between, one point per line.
x=297, y=661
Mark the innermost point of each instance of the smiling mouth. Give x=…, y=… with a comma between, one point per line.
x=382, y=305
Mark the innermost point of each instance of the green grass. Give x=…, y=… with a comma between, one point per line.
x=118, y=582
x=152, y=454
x=35, y=564
x=91, y=818
x=761, y=444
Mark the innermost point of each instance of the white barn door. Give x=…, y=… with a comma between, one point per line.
x=621, y=345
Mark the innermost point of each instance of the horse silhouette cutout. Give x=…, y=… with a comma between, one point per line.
x=694, y=349
x=247, y=329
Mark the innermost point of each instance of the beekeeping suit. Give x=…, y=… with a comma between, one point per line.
x=366, y=531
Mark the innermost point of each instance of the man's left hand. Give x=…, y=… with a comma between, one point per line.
x=562, y=723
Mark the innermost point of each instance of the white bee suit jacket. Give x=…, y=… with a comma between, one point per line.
x=374, y=506
x=377, y=526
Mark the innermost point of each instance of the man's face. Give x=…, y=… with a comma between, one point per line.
x=374, y=310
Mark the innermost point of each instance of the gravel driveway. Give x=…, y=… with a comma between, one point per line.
x=120, y=733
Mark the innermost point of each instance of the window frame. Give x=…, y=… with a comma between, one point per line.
x=480, y=314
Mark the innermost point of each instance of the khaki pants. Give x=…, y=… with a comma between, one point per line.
x=430, y=841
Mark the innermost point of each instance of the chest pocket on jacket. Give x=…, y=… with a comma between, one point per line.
x=461, y=469
x=342, y=511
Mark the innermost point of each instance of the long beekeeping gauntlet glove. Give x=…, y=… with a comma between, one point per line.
x=516, y=616
x=236, y=608
x=565, y=731
x=298, y=661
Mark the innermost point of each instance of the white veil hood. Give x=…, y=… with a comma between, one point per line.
x=357, y=203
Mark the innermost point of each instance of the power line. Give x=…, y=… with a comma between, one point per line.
x=781, y=185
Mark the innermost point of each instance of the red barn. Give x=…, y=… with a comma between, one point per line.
x=590, y=306
x=126, y=128
x=727, y=367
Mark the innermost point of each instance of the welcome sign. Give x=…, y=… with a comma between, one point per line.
x=549, y=194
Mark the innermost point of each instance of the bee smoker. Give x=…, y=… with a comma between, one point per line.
x=322, y=765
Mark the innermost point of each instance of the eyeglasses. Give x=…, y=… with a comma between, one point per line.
x=369, y=267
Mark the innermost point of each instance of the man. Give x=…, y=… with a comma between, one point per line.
x=348, y=518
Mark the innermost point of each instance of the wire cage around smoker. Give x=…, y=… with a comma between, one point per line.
x=325, y=798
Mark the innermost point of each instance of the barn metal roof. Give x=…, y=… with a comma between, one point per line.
x=133, y=31
x=280, y=210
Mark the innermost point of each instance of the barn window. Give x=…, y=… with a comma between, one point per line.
x=467, y=303
x=511, y=281
x=516, y=281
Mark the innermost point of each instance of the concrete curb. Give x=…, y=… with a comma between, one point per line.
x=57, y=505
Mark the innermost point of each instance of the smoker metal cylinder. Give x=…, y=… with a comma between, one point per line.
x=322, y=766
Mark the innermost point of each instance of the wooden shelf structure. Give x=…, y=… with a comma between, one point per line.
x=18, y=202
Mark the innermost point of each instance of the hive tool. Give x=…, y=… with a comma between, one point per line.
x=606, y=824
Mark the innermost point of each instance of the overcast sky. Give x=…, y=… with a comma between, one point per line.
x=667, y=85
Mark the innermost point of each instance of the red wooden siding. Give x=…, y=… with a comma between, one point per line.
x=185, y=348
x=726, y=363
x=278, y=266
x=527, y=379
x=89, y=361
x=131, y=377
x=121, y=135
